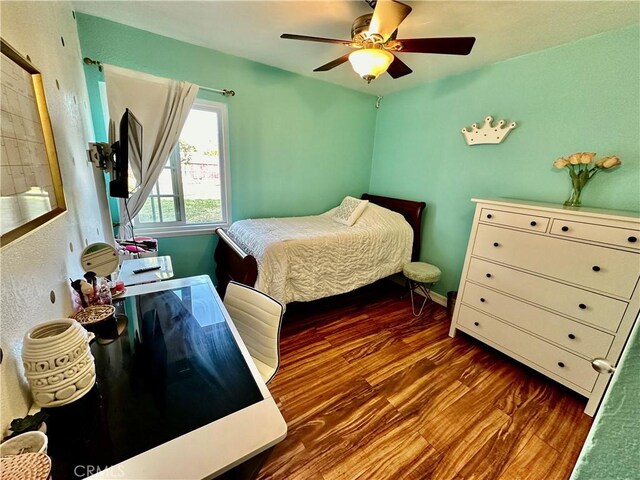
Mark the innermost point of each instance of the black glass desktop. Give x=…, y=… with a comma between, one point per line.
x=174, y=367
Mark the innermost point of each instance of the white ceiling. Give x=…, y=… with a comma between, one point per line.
x=251, y=29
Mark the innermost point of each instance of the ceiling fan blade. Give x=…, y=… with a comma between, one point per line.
x=332, y=64
x=447, y=45
x=387, y=15
x=291, y=36
x=398, y=68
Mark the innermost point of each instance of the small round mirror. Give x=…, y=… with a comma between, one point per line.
x=100, y=258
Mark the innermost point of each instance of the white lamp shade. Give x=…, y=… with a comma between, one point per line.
x=369, y=63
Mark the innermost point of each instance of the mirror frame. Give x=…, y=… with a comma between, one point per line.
x=54, y=167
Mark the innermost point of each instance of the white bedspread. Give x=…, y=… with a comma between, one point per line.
x=306, y=258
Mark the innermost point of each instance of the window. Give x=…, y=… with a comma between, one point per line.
x=192, y=192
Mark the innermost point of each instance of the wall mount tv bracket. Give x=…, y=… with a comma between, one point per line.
x=100, y=154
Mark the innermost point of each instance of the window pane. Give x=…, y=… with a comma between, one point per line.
x=146, y=215
x=168, y=209
x=200, y=167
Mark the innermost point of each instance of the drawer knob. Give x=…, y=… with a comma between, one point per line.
x=488, y=275
x=489, y=215
x=533, y=223
x=582, y=306
x=602, y=365
x=482, y=300
x=565, y=229
x=561, y=365
x=633, y=239
x=477, y=324
x=496, y=244
x=571, y=336
x=595, y=268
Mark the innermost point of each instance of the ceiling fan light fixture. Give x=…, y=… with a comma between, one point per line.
x=370, y=63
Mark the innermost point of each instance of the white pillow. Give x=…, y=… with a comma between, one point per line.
x=349, y=211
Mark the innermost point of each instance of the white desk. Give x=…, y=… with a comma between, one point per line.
x=181, y=362
x=128, y=266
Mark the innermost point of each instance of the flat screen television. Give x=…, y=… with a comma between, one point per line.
x=128, y=147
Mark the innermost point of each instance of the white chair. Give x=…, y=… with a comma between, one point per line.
x=257, y=317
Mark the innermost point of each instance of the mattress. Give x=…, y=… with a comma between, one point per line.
x=307, y=258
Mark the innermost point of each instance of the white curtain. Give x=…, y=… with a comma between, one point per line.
x=161, y=105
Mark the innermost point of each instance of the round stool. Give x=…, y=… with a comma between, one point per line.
x=421, y=276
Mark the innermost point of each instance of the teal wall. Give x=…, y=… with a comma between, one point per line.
x=190, y=255
x=582, y=96
x=297, y=145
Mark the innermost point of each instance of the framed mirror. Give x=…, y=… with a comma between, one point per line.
x=30, y=182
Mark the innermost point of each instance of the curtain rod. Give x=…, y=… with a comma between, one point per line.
x=224, y=91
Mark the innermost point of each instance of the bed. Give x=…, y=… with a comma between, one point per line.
x=306, y=258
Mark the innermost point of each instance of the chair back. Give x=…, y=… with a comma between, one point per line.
x=258, y=318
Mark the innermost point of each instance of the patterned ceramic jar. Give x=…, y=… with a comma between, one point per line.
x=58, y=363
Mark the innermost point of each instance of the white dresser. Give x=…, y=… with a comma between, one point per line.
x=554, y=288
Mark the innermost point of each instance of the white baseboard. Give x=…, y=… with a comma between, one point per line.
x=436, y=297
x=439, y=299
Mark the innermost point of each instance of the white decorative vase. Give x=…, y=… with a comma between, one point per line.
x=58, y=363
x=29, y=442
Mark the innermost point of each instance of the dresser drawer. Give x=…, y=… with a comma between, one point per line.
x=599, y=310
x=517, y=220
x=553, y=359
x=575, y=336
x=600, y=268
x=623, y=237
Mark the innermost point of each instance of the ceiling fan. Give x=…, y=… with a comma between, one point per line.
x=374, y=38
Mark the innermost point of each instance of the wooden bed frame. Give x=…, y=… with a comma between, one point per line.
x=232, y=263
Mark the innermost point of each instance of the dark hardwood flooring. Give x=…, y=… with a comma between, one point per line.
x=370, y=392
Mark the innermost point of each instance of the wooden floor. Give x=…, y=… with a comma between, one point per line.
x=369, y=391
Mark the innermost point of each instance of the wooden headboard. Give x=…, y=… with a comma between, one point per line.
x=412, y=212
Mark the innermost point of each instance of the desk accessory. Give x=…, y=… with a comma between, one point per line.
x=93, y=315
x=30, y=423
x=147, y=269
x=118, y=294
x=99, y=260
x=117, y=288
x=57, y=361
x=29, y=442
x=32, y=466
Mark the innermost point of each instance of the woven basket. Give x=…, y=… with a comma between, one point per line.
x=95, y=314
x=29, y=466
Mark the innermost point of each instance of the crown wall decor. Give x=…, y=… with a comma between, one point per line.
x=487, y=133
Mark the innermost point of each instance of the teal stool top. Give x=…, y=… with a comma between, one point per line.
x=422, y=272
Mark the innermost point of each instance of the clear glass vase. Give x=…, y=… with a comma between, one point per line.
x=574, y=198
x=579, y=180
